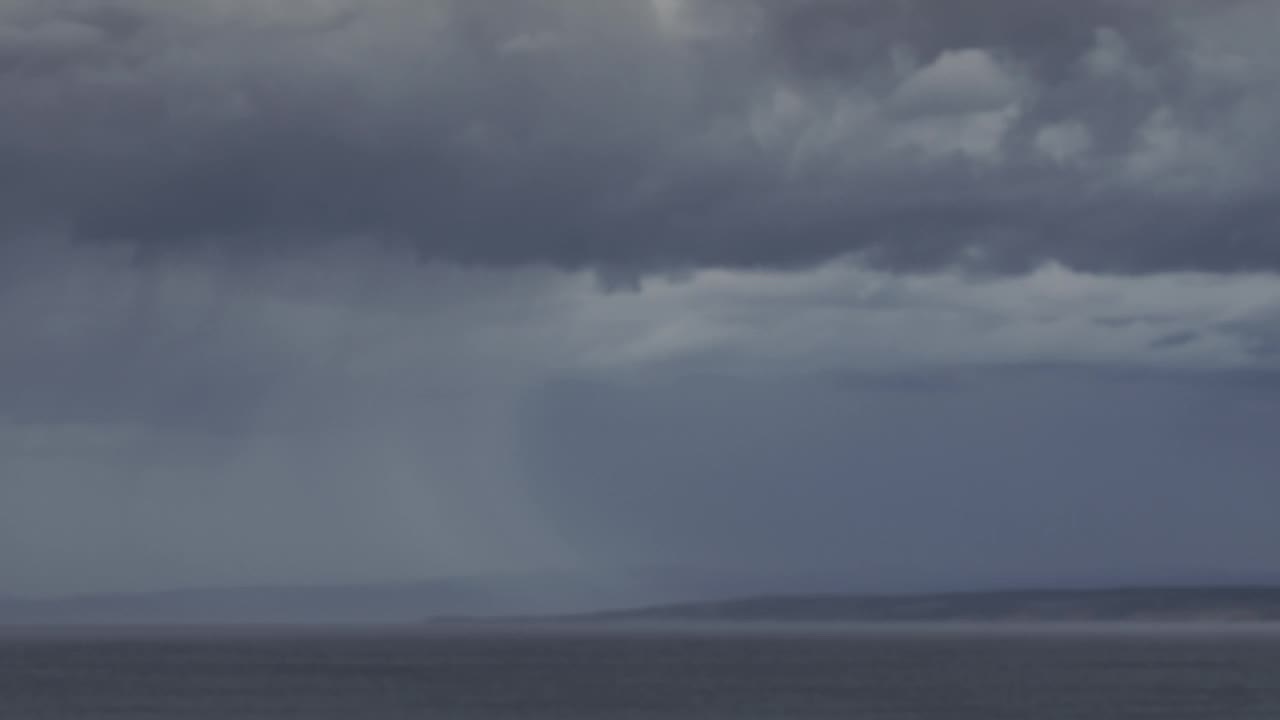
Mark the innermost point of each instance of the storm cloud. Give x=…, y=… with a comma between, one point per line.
x=1112, y=136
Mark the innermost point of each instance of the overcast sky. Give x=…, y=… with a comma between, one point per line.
x=914, y=293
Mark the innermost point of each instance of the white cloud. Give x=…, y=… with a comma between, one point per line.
x=963, y=103
x=978, y=135
x=1110, y=55
x=1170, y=155
x=848, y=318
x=958, y=82
x=1064, y=142
x=530, y=43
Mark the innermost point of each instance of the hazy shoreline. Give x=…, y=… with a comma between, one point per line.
x=394, y=607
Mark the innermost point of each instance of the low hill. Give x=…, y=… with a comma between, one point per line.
x=1203, y=604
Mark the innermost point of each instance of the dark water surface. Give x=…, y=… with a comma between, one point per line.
x=877, y=674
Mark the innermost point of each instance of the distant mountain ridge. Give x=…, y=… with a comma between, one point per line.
x=1156, y=604
x=655, y=594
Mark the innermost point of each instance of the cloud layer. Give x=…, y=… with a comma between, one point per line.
x=636, y=135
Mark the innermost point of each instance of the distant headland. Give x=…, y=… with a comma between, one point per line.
x=1157, y=604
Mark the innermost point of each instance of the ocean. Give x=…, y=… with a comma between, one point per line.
x=635, y=672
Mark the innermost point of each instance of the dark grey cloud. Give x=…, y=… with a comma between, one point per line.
x=1122, y=136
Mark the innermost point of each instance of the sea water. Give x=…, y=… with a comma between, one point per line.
x=603, y=672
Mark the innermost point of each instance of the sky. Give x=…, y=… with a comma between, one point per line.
x=911, y=293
